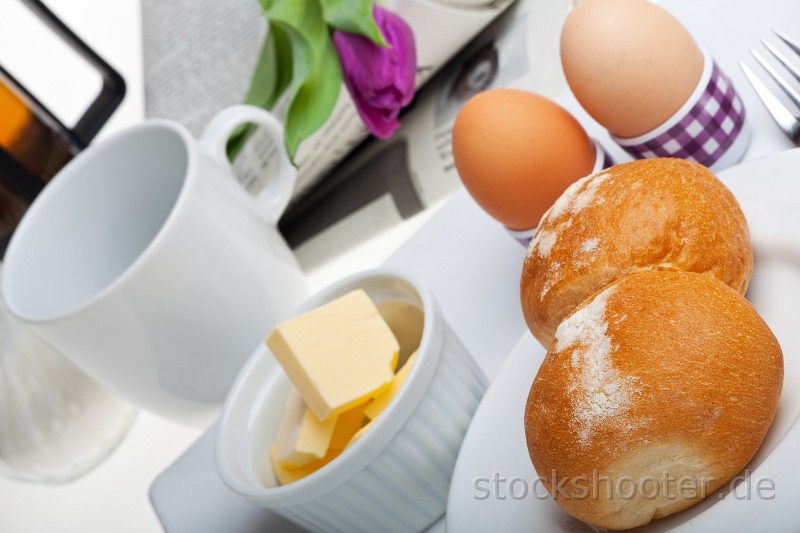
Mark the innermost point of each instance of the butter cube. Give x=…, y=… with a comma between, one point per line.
x=286, y=474
x=376, y=407
x=347, y=424
x=338, y=355
x=302, y=438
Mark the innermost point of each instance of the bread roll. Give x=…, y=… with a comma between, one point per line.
x=650, y=214
x=656, y=392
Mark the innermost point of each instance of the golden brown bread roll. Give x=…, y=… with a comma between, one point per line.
x=662, y=383
x=650, y=214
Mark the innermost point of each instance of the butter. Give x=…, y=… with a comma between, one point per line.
x=347, y=425
x=285, y=474
x=376, y=407
x=338, y=355
x=360, y=433
x=302, y=438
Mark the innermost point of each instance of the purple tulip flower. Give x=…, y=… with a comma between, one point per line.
x=380, y=79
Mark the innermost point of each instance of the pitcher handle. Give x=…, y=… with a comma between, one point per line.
x=277, y=195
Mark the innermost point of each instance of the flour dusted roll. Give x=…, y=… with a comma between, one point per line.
x=655, y=392
x=650, y=214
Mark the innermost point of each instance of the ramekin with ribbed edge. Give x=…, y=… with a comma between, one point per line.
x=397, y=476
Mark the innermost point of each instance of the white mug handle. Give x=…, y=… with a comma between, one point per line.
x=215, y=136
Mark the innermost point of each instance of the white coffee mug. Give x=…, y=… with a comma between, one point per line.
x=146, y=263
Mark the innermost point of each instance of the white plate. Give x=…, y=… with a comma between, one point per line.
x=492, y=487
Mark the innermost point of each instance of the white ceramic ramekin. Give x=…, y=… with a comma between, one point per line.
x=397, y=476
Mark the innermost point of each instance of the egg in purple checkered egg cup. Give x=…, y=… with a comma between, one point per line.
x=709, y=129
x=640, y=74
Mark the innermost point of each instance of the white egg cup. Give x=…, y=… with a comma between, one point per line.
x=394, y=478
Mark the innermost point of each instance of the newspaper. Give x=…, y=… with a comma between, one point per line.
x=520, y=49
x=383, y=183
x=199, y=56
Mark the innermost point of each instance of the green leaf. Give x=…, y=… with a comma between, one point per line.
x=316, y=72
x=273, y=70
x=353, y=16
x=314, y=99
x=272, y=74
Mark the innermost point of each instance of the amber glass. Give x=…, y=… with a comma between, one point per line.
x=32, y=151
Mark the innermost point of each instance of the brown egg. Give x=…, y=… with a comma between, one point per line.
x=629, y=63
x=516, y=152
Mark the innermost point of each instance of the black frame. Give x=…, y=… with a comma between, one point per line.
x=110, y=96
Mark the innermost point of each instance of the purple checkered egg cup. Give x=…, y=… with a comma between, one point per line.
x=601, y=160
x=710, y=128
